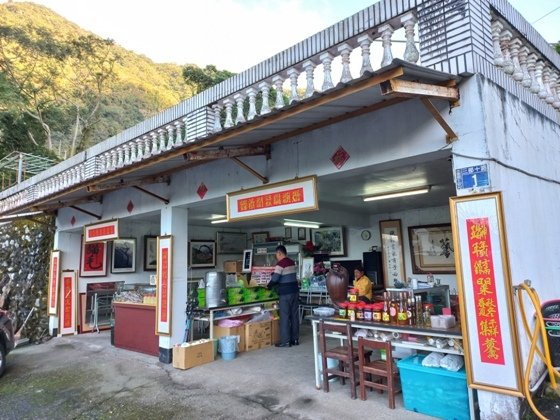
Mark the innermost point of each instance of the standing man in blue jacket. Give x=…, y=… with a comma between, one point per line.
x=284, y=280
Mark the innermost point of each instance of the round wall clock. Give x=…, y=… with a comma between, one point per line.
x=366, y=234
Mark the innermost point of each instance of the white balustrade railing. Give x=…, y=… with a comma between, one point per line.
x=518, y=59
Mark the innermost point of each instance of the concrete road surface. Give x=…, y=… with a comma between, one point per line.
x=84, y=377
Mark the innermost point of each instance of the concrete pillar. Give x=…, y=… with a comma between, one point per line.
x=174, y=222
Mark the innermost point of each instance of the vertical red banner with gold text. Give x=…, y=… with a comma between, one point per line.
x=67, y=290
x=164, y=289
x=54, y=281
x=490, y=341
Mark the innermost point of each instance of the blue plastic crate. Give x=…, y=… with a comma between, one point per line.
x=436, y=392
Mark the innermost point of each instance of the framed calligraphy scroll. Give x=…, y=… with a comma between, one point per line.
x=54, y=281
x=483, y=278
x=68, y=303
x=392, y=251
x=164, y=284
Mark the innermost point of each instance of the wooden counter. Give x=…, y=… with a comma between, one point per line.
x=135, y=326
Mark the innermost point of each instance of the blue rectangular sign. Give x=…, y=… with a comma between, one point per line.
x=472, y=177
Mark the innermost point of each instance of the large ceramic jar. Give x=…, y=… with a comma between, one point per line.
x=337, y=284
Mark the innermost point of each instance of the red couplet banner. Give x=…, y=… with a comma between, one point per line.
x=164, y=284
x=484, y=287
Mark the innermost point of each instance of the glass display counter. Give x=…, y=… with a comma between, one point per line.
x=138, y=293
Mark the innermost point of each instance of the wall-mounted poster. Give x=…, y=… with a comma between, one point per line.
x=164, y=285
x=54, y=281
x=431, y=249
x=150, y=253
x=68, y=303
x=202, y=253
x=231, y=242
x=93, y=259
x=484, y=281
x=330, y=240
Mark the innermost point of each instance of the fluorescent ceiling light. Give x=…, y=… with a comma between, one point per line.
x=219, y=221
x=404, y=193
x=301, y=223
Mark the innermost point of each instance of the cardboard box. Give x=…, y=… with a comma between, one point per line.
x=197, y=353
x=231, y=266
x=224, y=331
x=275, y=331
x=258, y=335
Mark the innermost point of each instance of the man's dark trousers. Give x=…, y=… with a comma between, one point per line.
x=289, y=317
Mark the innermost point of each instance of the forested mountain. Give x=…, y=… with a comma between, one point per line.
x=63, y=89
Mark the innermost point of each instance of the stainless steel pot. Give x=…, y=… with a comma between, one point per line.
x=215, y=289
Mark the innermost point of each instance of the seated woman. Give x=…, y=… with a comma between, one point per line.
x=363, y=284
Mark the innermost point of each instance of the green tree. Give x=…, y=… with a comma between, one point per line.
x=204, y=78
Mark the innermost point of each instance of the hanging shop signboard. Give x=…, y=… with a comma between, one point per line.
x=68, y=303
x=164, y=285
x=483, y=277
x=294, y=196
x=54, y=281
x=102, y=231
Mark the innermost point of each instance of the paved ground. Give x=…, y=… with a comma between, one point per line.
x=84, y=377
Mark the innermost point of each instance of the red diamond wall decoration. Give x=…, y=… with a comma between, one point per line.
x=340, y=157
x=201, y=190
x=73, y=220
x=130, y=206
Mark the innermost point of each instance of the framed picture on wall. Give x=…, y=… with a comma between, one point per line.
x=330, y=240
x=301, y=234
x=431, y=249
x=392, y=251
x=202, y=253
x=259, y=237
x=231, y=242
x=150, y=253
x=93, y=259
x=124, y=256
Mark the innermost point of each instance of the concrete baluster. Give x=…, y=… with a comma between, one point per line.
x=531, y=68
x=228, y=104
x=505, y=38
x=345, y=50
x=309, y=67
x=239, y=99
x=161, y=136
x=147, y=144
x=293, y=74
x=411, y=53
x=120, y=157
x=265, y=89
x=133, y=151
x=252, y=94
x=217, y=127
x=178, y=133
x=386, y=32
x=497, y=28
x=326, y=59
x=514, y=45
x=539, y=67
x=154, y=141
x=549, y=98
x=365, y=44
x=278, y=82
x=523, y=55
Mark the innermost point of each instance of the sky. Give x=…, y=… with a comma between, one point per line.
x=232, y=34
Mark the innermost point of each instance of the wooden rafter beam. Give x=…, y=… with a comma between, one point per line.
x=60, y=204
x=145, y=191
x=223, y=153
x=127, y=184
x=89, y=213
x=263, y=179
x=408, y=89
x=451, y=135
